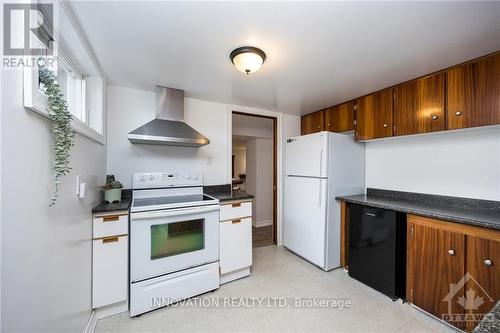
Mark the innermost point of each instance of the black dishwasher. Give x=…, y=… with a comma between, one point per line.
x=377, y=249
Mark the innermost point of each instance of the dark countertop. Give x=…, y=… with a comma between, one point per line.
x=490, y=322
x=104, y=207
x=235, y=196
x=476, y=212
x=224, y=193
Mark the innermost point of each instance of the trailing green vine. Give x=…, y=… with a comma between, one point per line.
x=63, y=135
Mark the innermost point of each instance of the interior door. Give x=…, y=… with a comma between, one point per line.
x=304, y=220
x=438, y=262
x=307, y=155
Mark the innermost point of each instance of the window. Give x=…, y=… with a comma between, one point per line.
x=79, y=76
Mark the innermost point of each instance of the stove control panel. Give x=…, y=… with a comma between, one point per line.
x=159, y=180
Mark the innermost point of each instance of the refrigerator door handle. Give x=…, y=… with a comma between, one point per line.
x=321, y=163
x=319, y=192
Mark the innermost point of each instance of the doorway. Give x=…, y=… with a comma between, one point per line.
x=254, y=171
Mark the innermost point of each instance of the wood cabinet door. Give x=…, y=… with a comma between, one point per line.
x=374, y=116
x=473, y=93
x=340, y=118
x=305, y=124
x=483, y=286
x=437, y=259
x=312, y=123
x=419, y=106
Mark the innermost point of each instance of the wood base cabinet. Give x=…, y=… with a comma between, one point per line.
x=452, y=270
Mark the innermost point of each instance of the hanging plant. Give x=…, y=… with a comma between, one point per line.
x=63, y=135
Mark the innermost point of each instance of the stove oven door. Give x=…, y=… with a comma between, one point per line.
x=171, y=240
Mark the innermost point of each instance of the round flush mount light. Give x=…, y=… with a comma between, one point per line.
x=247, y=59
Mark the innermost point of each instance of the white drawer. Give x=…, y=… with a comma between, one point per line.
x=110, y=225
x=235, y=210
x=109, y=271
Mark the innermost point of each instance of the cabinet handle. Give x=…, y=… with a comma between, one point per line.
x=329, y=125
x=319, y=126
x=385, y=125
x=235, y=221
x=488, y=262
x=434, y=117
x=458, y=113
x=110, y=218
x=451, y=252
x=109, y=240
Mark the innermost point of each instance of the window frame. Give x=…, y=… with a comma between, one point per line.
x=35, y=99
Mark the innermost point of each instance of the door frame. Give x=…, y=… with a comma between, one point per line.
x=277, y=160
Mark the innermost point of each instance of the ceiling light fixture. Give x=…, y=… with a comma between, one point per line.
x=247, y=59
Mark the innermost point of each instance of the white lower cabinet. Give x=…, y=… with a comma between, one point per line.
x=235, y=244
x=110, y=271
x=110, y=263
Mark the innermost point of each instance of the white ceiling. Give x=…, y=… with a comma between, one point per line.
x=319, y=54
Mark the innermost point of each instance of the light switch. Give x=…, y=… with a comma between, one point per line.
x=78, y=185
x=83, y=190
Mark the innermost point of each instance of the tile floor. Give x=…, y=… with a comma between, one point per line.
x=279, y=273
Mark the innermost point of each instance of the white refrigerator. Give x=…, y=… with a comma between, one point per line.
x=319, y=167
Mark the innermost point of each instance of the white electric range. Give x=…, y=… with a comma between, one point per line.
x=174, y=240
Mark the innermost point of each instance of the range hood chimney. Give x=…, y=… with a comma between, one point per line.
x=168, y=128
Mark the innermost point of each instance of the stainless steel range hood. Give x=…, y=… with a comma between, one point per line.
x=169, y=128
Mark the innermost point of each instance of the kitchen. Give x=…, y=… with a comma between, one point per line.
x=386, y=159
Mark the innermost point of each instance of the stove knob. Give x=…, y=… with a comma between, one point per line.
x=188, y=176
x=151, y=177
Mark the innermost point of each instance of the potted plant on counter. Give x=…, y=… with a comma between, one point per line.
x=112, y=190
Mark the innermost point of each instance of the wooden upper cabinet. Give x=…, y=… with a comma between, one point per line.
x=312, y=123
x=473, y=93
x=483, y=265
x=419, y=106
x=340, y=118
x=374, y=115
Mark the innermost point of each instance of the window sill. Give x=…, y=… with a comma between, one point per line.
x=85, y=130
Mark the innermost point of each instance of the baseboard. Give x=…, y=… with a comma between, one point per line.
x=90, y=327
x=228, y=277
x=111, y=310
x=263, y=223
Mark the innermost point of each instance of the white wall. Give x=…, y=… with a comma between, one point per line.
x=260, y=179
x=463, y=163
x=131, y=108
x=46, y=251
x=240, y=160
